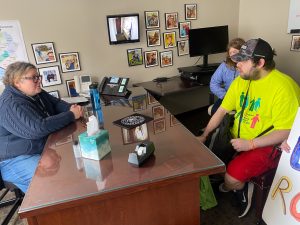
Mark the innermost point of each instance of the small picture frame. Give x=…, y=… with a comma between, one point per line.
x=158, y=112
x=153, y=38
x=159, y=126
x=135, y=57
x=184, y=28
x=173, y=121
x=152, y=19
x=151, y=99
x=50, y=76
x=183, y=47
x=137, y=134
x=295, y=43
x=139, y=103
x=69, y=62
x=151, y=58
x=71, y=88
x=190, y=11
x=166, y=58
x=171, y=20
x=169, y=39
x=54, y=94
x=44, y=52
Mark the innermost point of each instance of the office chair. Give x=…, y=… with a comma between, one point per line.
x=15, y=202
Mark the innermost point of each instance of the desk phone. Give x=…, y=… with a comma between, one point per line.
x=114, y=86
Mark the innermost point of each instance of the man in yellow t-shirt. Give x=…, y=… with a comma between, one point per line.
x=271, y=100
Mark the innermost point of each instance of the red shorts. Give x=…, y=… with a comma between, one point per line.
x=253, y=163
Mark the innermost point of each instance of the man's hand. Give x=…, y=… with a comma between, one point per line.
x=241, y=145
x=202, y=138
x=285, y=147
x=76, y=110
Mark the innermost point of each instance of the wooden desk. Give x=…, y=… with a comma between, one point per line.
x=179, y=95
x=65, y=190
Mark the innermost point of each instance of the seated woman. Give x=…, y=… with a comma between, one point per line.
x=225, y=74
x=28, y=115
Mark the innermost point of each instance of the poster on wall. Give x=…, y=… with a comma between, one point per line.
x=283, y=202
x=294, y=17
x=12, y=47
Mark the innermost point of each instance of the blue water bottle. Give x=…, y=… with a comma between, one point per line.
x=295, y=157
x=96, y=104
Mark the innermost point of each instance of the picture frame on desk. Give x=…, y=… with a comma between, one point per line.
x=137, y=134
x=159, y=126
x=54, y=94
x=183, y=47
x=166, y=58
x=71, y=88
x=190, y=11
x=152, y=19
x=44, y=52
x=69, y=62
x=50, y=76
x=139, y=103
x=153, y=38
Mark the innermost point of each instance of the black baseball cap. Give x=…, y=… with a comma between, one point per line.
x=254, y=48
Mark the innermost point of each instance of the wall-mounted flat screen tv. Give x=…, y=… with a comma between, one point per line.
x=123, y=28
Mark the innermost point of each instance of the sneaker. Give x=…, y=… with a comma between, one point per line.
x=222, y=188
x=245, y=198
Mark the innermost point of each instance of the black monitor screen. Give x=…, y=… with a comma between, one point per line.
x=208, y=40
x=123, y=28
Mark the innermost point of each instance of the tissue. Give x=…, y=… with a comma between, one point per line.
x=94, y=142
x=92, y=126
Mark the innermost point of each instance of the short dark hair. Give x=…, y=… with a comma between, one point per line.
x=269, y=64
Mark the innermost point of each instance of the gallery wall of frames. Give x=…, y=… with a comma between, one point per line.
x=171, y=32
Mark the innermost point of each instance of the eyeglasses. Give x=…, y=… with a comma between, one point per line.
x=35, y=78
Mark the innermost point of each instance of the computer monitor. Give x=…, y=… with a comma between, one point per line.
x=208, y=40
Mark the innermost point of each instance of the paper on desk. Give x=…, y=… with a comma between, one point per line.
x=92, y=126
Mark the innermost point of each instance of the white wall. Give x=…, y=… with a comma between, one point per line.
x=268, y=19
x=80, y=26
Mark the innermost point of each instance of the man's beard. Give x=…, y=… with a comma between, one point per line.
x=254, y=74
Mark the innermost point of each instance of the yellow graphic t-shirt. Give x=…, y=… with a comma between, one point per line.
x=272, y=100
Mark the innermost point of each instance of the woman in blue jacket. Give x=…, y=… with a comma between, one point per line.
x=28, y=116
x=225, y=74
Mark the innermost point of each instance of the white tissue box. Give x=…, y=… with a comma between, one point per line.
x=95, y=146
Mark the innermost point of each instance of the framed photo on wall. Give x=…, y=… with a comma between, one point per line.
x=54, y=93
x=44, y=52
x=151, y=19
x=71, y=88
x=166, y=58
x=295, y=44
x=135, y=57
x=184, y=28
x=69, y=62
x=50, y=76
x=171, y=20
x=190, y=11
x=151, y=58
x=169, y=39
x=153, y=37
x=183, y=47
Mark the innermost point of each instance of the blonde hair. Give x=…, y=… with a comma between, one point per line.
x=16, y=71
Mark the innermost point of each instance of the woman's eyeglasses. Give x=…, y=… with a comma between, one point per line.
x=35, y=79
